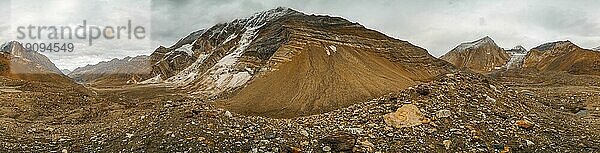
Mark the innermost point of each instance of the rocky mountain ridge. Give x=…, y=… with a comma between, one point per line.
x=482, y=55
x=563, y=56
x=129, y=70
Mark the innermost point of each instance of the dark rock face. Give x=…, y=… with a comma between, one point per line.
x=482, y=55
x=563, y=56
x=167, y=62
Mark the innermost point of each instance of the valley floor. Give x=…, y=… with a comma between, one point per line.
x=465, y=112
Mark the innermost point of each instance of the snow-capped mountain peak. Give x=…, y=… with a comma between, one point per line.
x=9, y=46
x=475, y=44
x=557, y=44
x=517, y=50
x=519, y=47
x=482, y=55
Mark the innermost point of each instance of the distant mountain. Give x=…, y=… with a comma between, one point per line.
x=482, y=55
x=129, y=70
x=563, y=56
x=65, y=71
x=596, y=49
x=517, y=57
x=517, y=50
x=18, y=63
x=27, y=62
x=284, y=63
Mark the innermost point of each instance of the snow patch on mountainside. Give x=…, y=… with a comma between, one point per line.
x=187, y=48
x=331, y=49
x=227, y=73
x=189, y=74
x=231, y=37
x=153, y=80
x=475, y=44
x=224, y=75
x=516, y=60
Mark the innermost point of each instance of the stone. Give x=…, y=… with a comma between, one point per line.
x=494, y=88
x=326, y=148
x=426, y=121
x=228, y=114
x=490, y=99
x=524, y=124
x=582, y=112
x=506, y=149
x=270, y=135
x=295, y=150
x=529, y=143
x=423, y=90
x=304, y=133
x=354, y=130
x=339, y=142
x=443, y=113
x=447, y=143
x=364, y=146
x=406, y=116
x=498, y=146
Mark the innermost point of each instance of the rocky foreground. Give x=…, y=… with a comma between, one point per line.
x=460, y=112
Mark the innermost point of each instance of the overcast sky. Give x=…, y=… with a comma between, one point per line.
x=437, y=26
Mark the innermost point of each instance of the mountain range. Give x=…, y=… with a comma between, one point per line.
x=285, y=81
x=485, y=56
x=284, y=63
x=116, y=72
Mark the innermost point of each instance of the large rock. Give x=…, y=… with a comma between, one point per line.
x=406, y=116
